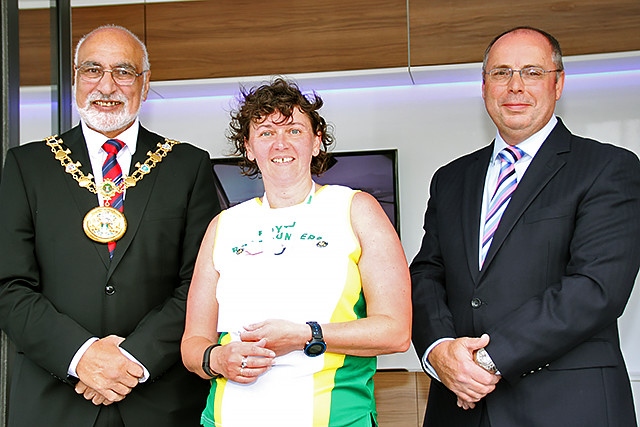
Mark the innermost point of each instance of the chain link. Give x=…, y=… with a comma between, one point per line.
x=108, y=188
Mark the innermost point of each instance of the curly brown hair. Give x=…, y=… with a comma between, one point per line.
x=280, y=96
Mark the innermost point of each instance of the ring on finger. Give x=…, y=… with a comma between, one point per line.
x=243, y=364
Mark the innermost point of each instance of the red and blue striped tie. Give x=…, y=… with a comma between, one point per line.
x=506, y=185
x=111, y=170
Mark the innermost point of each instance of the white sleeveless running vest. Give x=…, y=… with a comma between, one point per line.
x=300, y=264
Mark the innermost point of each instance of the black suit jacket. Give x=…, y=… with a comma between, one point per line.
x=53, y=281
x=557, y=276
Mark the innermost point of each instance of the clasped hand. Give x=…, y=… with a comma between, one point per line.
x=454, y=363
x=106, y=375
x=243, y=362
x=282, y=336
x=260, y=343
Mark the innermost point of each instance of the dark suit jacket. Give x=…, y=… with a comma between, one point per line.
x=557, y=276
x=53, y=281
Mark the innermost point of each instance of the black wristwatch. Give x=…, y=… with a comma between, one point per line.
x=316, y=346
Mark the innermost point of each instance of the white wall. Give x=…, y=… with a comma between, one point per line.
x=431, y=115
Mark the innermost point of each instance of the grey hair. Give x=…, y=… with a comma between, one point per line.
x=145, y=54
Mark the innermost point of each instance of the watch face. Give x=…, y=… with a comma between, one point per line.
x=315, y=349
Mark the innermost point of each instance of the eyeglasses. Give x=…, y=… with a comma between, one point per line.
x=123, y=76
x=528, y=74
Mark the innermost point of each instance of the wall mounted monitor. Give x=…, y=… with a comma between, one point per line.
x=373, y=171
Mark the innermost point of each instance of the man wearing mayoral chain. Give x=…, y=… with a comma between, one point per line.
x=99, y=232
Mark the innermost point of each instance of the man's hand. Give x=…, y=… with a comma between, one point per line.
x=104, y=369
x=453, y=362
x=92, y=395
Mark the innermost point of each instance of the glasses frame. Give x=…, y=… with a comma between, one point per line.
x=104, y=70
x=512, y=71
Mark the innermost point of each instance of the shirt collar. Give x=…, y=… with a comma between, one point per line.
x=531, y=145
x=95, y=139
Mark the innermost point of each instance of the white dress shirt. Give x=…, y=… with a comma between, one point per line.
x=97, y=155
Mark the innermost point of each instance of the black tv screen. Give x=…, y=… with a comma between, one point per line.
x=373, y=171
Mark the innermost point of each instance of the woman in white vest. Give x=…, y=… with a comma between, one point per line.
x=296, y=292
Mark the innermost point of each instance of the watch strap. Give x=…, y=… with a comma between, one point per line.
x=206, y=357
x=316, y=331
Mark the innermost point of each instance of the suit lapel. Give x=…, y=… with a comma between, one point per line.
x=472, y=204
x=542, y=169
x=137, y=197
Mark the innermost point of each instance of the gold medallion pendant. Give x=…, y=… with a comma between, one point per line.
x=104, y=224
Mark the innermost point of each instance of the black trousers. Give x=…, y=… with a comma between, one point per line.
x=109, y=416
x=484, y=418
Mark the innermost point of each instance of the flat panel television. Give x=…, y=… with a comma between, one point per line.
x=373, y=171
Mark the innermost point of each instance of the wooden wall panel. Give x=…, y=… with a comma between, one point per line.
x=401, y=398
x=204, y=39
x=423, y=382
x=209, y=38
x=85, y=19
x=458, y=31
x=35, y=48
x=396, y=401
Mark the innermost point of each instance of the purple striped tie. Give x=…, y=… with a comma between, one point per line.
x=111, y=170
x=506, y=185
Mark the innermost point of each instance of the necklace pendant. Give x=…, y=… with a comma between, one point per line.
x=108, y=189
x=104, y=224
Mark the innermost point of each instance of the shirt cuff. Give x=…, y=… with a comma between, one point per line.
x=425, y=358
x=71, y=371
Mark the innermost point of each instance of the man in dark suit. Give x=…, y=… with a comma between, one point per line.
x=98, y=334
x=516, y=298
